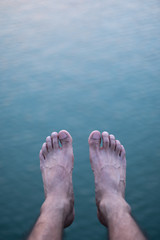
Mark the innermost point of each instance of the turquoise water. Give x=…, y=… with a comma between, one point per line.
x=79, y=66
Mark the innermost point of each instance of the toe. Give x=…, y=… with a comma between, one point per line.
x=54, y=138
x=112, y=142
x=95, y=139
x=49, y=143
x=41, y=157
x=105, y=137
x=65, y=138
x=123, y=152
x=44, y=150
x=118, y=147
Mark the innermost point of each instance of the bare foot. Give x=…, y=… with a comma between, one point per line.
x=56, y=165
x=109, y=166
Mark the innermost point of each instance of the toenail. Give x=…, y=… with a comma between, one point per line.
x=54, y=134
x=63, y=135
x=105, y=134
x=96, y=135
x=48, y=138
x=112, y=137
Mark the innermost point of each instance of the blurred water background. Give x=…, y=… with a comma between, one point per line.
x=79, y=66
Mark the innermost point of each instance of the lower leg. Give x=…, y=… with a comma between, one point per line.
x=109, y=166
x=50, y=223
x=117, y=217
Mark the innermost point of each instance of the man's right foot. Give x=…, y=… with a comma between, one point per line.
x=109, y=166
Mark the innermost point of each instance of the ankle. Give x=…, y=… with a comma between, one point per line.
x=52, y=207
x=113, y=207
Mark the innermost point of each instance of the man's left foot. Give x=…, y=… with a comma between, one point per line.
x=56, y=165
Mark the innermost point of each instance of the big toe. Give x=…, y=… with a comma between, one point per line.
x=94, y=139
x=65, y=138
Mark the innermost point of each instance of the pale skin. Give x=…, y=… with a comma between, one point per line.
x=109, y=167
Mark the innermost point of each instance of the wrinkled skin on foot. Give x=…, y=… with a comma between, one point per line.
x=56, y=165
x=109, y=167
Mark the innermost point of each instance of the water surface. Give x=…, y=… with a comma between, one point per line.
x=80, y=66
